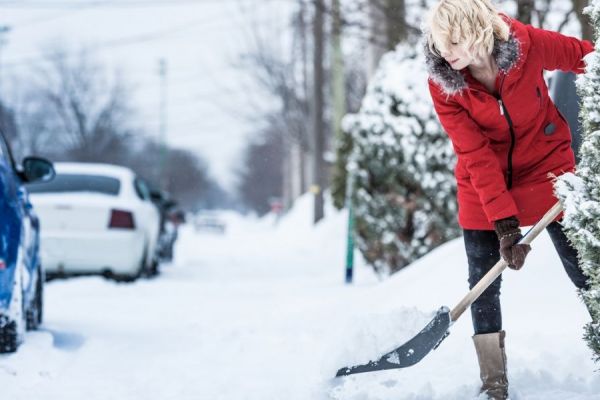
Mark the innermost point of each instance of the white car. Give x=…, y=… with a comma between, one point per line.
x=96, y=219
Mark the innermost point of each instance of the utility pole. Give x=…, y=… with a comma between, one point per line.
x=339, y=97
x=318, y=103
x=396, y=29
x=304, y=141
x=304, y=45
x=162, y=163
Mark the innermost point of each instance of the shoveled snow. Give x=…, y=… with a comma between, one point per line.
x=262, y=313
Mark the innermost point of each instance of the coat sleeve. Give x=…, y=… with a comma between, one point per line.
x=474, y=152
x=559, y=51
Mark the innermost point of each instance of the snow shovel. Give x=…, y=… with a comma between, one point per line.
x=436, y=331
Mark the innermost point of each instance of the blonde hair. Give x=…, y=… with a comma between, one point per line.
x=471, y=23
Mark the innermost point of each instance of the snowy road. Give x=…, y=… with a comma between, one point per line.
x=263, y=314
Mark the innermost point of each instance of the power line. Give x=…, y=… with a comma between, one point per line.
x=112, y=3
x=128, y=40
x=39, y=20
x=89, y=5
x=120, y=42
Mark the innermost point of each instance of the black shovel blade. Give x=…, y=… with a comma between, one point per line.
x=410, y=352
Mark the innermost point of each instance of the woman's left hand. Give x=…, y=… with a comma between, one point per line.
x=509, y=235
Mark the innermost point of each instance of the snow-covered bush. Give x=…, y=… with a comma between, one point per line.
x=402, y=161
x=580, y=193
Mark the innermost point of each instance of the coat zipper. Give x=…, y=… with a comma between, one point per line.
x=504, y=112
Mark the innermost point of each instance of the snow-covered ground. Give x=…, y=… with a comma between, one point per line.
x=262, y=313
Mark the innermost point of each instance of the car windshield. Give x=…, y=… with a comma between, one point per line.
x=78, y=183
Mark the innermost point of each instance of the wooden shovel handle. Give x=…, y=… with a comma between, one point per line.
x=501, y=265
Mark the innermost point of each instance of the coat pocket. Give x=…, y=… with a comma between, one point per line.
x=556, y=126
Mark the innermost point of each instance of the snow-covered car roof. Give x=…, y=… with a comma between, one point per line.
x=116, y=171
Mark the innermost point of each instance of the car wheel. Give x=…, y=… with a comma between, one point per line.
x=124, y=278
x=12, y=331
x=154, y=271
x=35, y=311
x=8, y=335
x=151, y=270
x=142, y=271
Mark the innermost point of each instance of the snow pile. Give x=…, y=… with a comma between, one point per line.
x=262, y=313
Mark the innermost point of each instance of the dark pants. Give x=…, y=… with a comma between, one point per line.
x=482, y=254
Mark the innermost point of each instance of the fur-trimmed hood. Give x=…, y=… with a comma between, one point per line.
x=506, y=54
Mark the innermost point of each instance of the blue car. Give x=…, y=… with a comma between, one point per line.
x=21, y=274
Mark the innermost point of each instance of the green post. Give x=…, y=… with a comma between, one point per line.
x=339, y=110
x=350, y=236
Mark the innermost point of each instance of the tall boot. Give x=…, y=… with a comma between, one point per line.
x=492, y=364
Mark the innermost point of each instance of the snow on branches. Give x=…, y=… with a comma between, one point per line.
x=402, y=163
x=580, y=193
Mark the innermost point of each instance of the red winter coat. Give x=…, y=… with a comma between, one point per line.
x=508, y=146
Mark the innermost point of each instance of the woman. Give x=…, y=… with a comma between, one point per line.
x=486, y=81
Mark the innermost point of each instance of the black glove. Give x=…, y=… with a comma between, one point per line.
x=509, y=234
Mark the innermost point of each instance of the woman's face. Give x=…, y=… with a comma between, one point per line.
x=457, y=56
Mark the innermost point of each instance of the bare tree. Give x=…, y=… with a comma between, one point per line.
x=73, y=107
x=525, y=10
x=278, y=78
x=188, y=178
x=394, y=27
x=73, y=110
x=260, y=179
x=382, y=23
x=284, y=78
x=536, y=12
x=8, y=125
